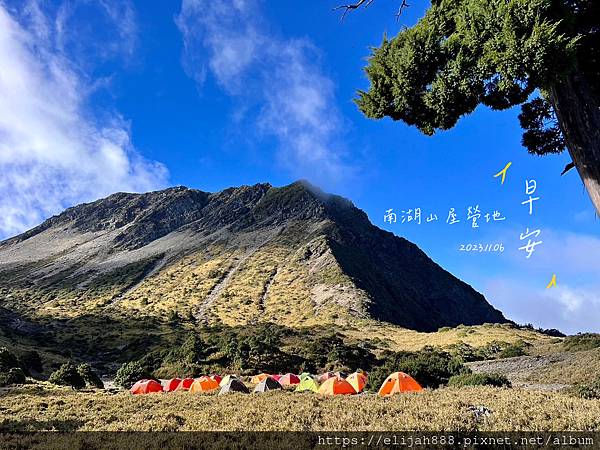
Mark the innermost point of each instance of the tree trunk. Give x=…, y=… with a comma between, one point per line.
x=578, y=113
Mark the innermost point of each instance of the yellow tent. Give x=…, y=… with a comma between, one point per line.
x=357, y=380
x=336, y=386
x=259, y=378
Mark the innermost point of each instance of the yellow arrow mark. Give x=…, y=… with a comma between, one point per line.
x=503, y=172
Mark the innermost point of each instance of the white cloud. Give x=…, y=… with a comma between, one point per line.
x=293, y=99
x=573, y=305
x=569, y=309
x=53, y=151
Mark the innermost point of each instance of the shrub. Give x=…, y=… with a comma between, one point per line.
x=582, y=341
x=7, y=360
x=376, y=378
x=431, y=368
x=67, y=375
x=89, y=376
x=131, y=372
x=500, y=350
x=192, y=350
x=31, y=361
x=513, y=350
x=13, y=376
x=589, y=391
x=479, y=379
x=465, y=352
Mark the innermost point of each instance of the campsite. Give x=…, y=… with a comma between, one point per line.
x=549, y=385
x=316, y=217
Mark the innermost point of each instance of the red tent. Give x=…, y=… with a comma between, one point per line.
x=217, y=378
x=185, y=384
x=276, y=377
x=146, y=387
x=288, y=379
x=172, y=384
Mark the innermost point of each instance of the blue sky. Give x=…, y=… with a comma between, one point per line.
x=98, y=98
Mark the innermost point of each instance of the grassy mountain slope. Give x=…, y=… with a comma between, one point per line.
x=140, y=267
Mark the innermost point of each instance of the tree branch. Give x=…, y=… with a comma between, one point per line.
x=352, y=6
x=402, y=6
x=367, y=3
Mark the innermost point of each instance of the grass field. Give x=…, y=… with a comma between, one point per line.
x=39, y=407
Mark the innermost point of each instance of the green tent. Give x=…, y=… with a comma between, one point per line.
x=307, y=384
x=304, y=375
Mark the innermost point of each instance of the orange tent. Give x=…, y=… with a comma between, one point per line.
x=357, y=380
x=185, y=384
x=256, y=379
x=172, y=384
x=146, y=387
x=336, y=386
x=204, y=384
x=398, y=382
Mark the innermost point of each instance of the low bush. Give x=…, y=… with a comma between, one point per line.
x=90, y=377
x=513, y=350
x=430, y=367
x=582, y=341
x=465, y=352
x=67, y=375
x=131, y=372
x=7, y=360
x=589, y=391
x=14, y=375
x=479, y=379
x=32, y=361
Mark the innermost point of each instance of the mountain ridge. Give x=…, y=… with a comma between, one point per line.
x=292, y=254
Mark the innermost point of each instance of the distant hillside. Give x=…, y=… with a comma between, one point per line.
x=293, y=255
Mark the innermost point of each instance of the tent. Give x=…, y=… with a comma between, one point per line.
x=204, y=384
x=326, y=376
x=146, y=387
x=276, y=377
x=304, y=375
x=225, y=380
x=307, y=384
x=217, y=378
x=357, y=380
x=398, y=382
x=172, y=384
x=289, y=379
x=336, y=386
x=185, y=384
x=343, y=375
x=268, y=384
x=258, y=378
x=234, y=385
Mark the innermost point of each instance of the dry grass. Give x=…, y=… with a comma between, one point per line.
x=571, y=368
x=477, y=336
x=40, y=408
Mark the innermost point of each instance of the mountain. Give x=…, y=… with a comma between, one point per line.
x=292, y=255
